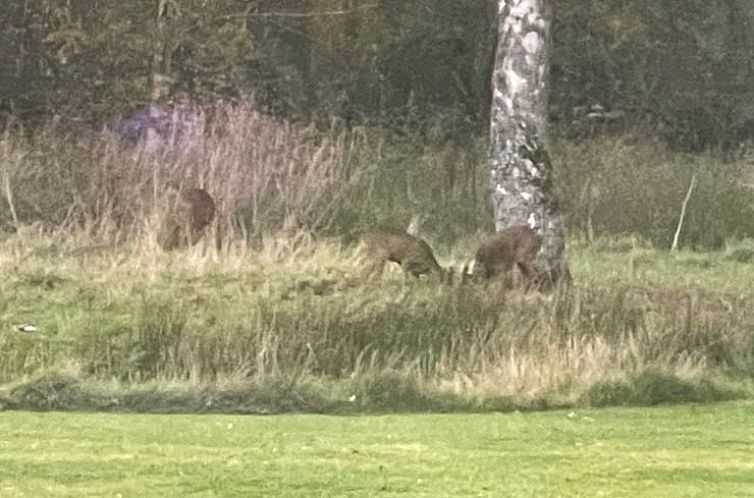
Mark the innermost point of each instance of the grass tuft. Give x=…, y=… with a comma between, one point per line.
x=650, y=387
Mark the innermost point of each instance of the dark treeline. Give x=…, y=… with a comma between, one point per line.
x=680, y=68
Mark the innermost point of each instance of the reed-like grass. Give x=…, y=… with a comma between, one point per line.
x=281, y=304
x=301, y=313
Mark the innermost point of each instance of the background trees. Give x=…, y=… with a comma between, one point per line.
x=683, y=67
x=630, y=81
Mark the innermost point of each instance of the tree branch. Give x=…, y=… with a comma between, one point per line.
x=303, y=15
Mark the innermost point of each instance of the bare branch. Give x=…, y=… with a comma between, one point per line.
x=303, y=15
x=674, y=247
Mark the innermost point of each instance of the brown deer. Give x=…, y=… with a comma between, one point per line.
x=411, y=252
x=191, y=211
x=517, y=245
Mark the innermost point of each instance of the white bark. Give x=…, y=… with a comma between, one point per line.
x=520, y=166
x=677, y=235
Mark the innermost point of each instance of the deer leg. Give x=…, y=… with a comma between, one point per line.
x=529, y=273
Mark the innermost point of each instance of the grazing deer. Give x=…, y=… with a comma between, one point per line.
x=517, y=245
x=191, y=211
x=411, y=252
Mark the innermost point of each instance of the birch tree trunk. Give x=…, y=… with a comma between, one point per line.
x=520, y=166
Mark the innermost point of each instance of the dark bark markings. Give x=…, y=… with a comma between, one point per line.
x=520, y=166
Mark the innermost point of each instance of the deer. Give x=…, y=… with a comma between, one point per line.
x=411, y=252
x=514, y=246
x=191, y=210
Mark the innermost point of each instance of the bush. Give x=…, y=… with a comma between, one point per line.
x=650, y=387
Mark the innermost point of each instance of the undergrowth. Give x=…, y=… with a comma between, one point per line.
x=271, y=309
x=300, y=321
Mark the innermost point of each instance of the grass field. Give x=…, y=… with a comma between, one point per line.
x=684, y=451
x=282, y=329
x=96, y=317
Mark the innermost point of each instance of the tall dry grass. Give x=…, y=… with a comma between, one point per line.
x=619, y=185
x=255, y=167
x=117, y=307
x=303, y=313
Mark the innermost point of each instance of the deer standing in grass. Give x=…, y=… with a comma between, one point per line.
x=191, y=211
x=514, y=246
x=411, y=252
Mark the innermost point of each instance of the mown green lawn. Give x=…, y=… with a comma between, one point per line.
x=680, y=451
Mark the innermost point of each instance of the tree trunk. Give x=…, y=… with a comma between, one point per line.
x=520, y=166
x=161, y=56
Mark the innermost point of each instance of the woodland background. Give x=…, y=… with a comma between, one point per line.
x=635, y=87
x=682, y=68
x=319, y=119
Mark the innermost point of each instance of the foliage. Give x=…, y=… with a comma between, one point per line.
x=280, y=308
x=681, y=70
x=678, y=69
x=263, y=172
x=257, y=168
x=624, y=186
x=90, y=60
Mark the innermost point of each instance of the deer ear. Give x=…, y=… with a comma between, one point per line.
x=414, y=226
x=172, y=186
